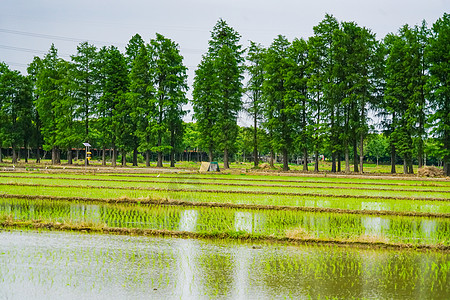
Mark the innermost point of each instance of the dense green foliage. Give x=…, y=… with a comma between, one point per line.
x=306, y=98
x=217, y=96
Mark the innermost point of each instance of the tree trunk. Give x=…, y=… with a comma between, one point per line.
x=405, y=166
x=420, y=153
x=159, y=163
x=53, y=155
x=135, y=153
x=114, y=156
x=316, y=161
x=272, y=158
x=393, y=159
x=305, y=159
x=446, y=168
x=338, y=161
x=124, y=158
x=347, y=160
x=410, y=166
x=361, y=154
x=355, y=156
x=1, y=155
x=226, y=164
x=210, y=154
x=333, y=162
x=38, y=155
x=255, y=142
x=285, y=160
x=69, y=156
x=172, y=158
x=103, y=157
x=147, y=158
x=14, y=155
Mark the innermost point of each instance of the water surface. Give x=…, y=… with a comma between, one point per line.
x=60, y=265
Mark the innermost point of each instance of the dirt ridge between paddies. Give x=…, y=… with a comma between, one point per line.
x=219, y=177
x=163, y=201
x=249, y=185
x=103, y=229
x=174, y=190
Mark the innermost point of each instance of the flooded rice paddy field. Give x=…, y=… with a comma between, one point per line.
x=238, y=236
x=235, y=222
x=62, y=265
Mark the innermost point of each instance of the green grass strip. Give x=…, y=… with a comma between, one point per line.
x=162, y=201
x=85, y=228
x=178, y=190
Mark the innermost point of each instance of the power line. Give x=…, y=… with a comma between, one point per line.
x=77, y=40
x=10, y=63
x=34, y=51
x=56, y=37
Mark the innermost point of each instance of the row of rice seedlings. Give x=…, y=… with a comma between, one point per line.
x=234, y=222
x=390, y=181
x=139, y=182
x=418, y=206
x=244, y=189
x=262, y=177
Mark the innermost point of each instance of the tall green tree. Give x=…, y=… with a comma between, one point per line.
x=280, y=107
x=15, y=109
x=68, y=129
x=224, y=61
x=169, y=81
x=111, y=107
x=205, y=110
x=326, y=77
x=33, y=70
x=439, y=59
x=52, y=87
x=86, y=84
x=297, y=90
x=316, y=71
x=359, y=84
x=138, y=64
x=406, y=79
x=143, y=102
x=254, y=91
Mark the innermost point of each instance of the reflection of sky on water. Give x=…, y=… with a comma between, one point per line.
x=375, y=206
x=375, y=226
x=249, y=222
x=188, y=220
x=57, y=265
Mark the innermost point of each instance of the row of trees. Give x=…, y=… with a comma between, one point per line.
x=320, y=95
x=132, y=101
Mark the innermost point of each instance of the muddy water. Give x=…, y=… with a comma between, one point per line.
x=60, y=265
x=392, y=229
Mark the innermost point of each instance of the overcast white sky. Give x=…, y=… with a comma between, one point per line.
x=28, y=27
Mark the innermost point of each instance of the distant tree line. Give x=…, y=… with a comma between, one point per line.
x=324, y=95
